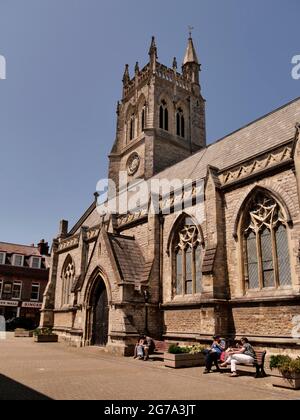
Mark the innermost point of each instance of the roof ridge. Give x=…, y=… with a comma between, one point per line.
x=14, y=244
x=204, y=150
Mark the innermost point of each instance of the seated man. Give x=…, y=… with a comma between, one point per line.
x=214, y=354
x=149, y=347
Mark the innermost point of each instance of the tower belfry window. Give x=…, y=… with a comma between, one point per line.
x=131, y=127
x=180, y=123
x=164, y=116
x=143, y=118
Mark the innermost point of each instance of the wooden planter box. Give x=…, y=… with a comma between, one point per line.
x=291, y=381
x=23, y=333
x=178, y=361
x=46, y=338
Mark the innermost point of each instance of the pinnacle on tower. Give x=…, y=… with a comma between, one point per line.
x=175, y=66
x=126, y=77
x=153, y=49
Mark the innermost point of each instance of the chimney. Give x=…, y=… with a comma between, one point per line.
x=63, y=228
x=43, y=247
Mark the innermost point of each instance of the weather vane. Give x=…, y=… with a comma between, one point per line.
x=191, y=28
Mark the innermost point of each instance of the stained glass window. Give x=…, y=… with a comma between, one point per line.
x=188, y=255
x=266, y=241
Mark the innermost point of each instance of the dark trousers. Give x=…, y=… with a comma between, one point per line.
x=212, y=358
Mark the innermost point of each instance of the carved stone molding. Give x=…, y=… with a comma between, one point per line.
x=69, y=243
x=273, y=159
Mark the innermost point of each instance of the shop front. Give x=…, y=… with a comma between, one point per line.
x=9, y=309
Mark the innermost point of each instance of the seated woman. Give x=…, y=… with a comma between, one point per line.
x=139, y=351
x=244, y=355
x=214, y=354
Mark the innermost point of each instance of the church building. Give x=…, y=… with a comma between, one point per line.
x=235, y=271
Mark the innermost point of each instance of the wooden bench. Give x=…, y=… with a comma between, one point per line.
x=160, y=346
x=259, y=364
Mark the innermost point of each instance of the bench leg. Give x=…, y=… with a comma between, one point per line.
x=263, y=373
x=257, y=375
x=260, y=372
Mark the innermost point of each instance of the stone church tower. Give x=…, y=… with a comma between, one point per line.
x=161, y=118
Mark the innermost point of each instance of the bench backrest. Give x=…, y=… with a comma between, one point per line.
x=160, y=346
x=260, y=357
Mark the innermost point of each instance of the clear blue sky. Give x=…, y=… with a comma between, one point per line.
x=65, y=61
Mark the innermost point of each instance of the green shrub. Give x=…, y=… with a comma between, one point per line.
x=285, y=364
x=293, y=366
x=277, y=361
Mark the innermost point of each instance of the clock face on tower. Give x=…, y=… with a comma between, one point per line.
x=133, y=164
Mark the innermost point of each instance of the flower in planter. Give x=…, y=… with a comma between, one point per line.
x=43, y=331
x=175, y=349
x=197, y=349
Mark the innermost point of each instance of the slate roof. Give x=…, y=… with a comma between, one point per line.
x=27, y=251
x=130, y=260
x=261, y=135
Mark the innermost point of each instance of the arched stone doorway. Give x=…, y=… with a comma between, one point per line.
x=100, y=314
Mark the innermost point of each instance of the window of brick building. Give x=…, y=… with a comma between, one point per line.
x=188, y=256
x=2, y=258
x=266, y=247
x=35, y=292
x=17, y=290
x=36, y=262
x=6, y=290
x=1, y=286
x=18, y=260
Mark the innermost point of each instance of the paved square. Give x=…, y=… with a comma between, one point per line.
x=53, y=371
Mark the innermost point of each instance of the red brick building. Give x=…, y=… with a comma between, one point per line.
x=24, y=272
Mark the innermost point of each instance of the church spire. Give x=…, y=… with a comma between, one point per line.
x=190, y=55
x=191, y=66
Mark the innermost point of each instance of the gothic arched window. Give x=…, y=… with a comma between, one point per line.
x=266, y=249
x=68, y=277
x=187, y=255
x=180, y=123
x=164, y=116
